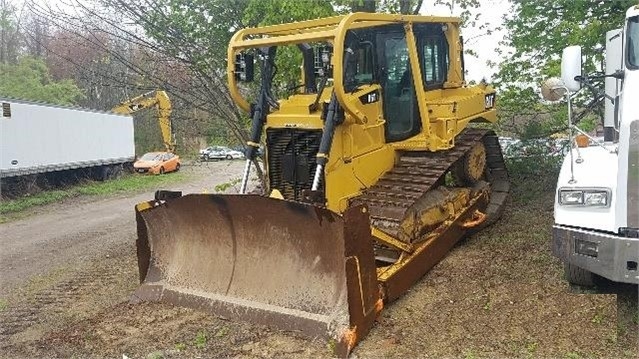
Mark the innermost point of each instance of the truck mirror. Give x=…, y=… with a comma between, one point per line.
x=571, y=67
x=244, y=67
x=553, y=89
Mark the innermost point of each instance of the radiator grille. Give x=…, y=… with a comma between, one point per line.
x=291, y=157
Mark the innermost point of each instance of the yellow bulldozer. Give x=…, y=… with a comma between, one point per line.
x=373, y=174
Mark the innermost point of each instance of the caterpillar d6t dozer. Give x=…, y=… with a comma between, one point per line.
x=373, y=174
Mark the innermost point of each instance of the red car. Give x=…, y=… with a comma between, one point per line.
x=157, y=163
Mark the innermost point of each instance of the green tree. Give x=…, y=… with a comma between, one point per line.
x=8, y=32
x=538, y=31
x=29, y=79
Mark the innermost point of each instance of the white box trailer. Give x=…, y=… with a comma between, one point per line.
x=40, y=138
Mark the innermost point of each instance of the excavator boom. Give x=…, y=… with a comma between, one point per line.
x=158, y=99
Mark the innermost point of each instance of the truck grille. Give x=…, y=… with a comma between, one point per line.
x=633, y=178
x=291, y=155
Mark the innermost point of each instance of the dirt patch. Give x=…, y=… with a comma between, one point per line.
x=497, y=294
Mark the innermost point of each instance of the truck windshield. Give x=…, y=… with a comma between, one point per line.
x=633, y=42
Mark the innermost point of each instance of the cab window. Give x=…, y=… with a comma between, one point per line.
x=633, y=42
x=434, y=60
x=360, y=69
x=433, y=53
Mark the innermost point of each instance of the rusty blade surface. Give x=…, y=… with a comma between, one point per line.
x=257, y=259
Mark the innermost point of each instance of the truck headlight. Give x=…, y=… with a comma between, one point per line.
x=568, y=197
x=592, y=197
x=599, y=198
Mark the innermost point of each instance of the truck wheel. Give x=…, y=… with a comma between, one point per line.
x=206, y=158
x=579, y=276
x=177, y=167
x=229, y=157
x=161, y=170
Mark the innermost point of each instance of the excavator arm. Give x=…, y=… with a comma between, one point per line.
x=158, y=99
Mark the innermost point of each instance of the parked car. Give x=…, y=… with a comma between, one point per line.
x=157, y=163
x=233, y=154
x=212, y=153
x=220, y=153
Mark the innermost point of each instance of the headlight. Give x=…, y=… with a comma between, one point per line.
x=599, y=198
x=593, y=197
x=571, y=197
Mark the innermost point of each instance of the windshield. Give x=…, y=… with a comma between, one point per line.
x=633, y=42
x=151, y=157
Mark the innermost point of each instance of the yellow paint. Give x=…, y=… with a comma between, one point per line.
x=158, y=99
x=390, y=240
x=276, y=194
x=143, y=206
x=451, y=205
x=360, y=155
x=459, y=208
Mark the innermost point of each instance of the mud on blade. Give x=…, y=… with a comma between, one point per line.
x=268, y=261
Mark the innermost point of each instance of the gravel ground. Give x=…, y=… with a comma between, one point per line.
x=69, y=268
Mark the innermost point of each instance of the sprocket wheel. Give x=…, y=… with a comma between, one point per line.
x=470, y=168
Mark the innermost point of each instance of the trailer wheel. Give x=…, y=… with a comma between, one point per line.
x=579, y=276
x=115, y=172
x=102, y=173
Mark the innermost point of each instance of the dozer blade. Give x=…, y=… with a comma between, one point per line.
x=284, y=264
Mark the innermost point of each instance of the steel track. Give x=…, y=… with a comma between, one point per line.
x=417, y=172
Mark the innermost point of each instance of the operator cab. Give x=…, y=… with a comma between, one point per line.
x=381, y=55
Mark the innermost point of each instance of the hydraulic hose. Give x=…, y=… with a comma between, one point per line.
x=333, y=118
x=260, y=111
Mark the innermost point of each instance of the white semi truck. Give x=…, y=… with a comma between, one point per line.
x=38, y=138
x=596, y=229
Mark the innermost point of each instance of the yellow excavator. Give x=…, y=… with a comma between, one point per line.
x=374, y=173
x=158, y=99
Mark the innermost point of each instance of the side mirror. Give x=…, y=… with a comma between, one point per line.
x=322, y=63
x=571, y=67
x=244, y=67
x=553, y=89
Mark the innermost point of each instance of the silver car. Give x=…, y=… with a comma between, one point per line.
x=212, y=153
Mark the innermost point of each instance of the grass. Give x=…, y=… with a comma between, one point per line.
x=200, y=340
x=126, y=184
x=531, y=348
x=597, y=318
x=39, y=199
x=3, y=304
x=156, y=355
x=222, y=332
x=222, y=187
x=469, y=354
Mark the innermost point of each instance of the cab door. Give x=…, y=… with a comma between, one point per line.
x=399, y=99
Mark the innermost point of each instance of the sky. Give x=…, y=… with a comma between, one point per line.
x=491, y=11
